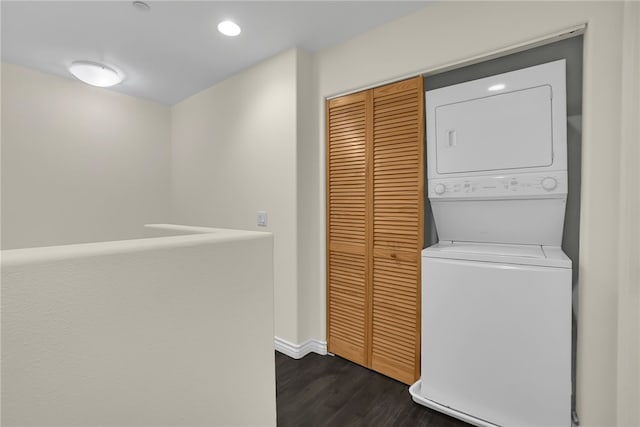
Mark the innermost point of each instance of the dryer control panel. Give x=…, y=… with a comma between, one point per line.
x=516, y=186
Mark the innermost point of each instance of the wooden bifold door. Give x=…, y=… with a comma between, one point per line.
x=375, y=203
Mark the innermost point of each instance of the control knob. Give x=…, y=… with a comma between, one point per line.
x=439, y=189
x=549, y=183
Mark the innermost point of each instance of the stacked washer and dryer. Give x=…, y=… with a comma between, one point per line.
x=496, y=288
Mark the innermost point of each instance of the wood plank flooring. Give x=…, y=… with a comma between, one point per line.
x=331, y=391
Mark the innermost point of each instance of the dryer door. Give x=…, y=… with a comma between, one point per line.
x=509, y=123
x=505, y=131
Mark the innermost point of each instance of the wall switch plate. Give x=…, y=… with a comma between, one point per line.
x=262, y=218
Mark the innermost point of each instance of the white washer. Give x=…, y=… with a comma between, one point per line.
x=497, y=334
x=496, y=293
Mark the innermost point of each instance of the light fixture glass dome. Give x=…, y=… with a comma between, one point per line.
x=95, y=74
x=229, y=28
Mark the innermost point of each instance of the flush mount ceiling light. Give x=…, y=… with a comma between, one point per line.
x=229, y=28
x=95, y=74
x=497, y=87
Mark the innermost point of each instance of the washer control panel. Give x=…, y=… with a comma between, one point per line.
x=501, y=186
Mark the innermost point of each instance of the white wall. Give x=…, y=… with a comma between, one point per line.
x=628, y=392
x=447, y=33
x=79, y=164
x=173, y=331
x=234, y=153
x=309, y=207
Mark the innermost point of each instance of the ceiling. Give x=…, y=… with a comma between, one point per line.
x=174, y=50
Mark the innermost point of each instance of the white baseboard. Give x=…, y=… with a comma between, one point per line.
x=298, y=351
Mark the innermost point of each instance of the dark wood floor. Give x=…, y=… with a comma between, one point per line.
x=331, y=391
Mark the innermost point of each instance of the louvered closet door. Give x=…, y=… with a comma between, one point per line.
x=347, y=210
x=398, y=198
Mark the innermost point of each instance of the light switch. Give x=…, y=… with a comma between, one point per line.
x=262, y=218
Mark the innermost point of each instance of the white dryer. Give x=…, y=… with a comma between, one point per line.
x=496, y=294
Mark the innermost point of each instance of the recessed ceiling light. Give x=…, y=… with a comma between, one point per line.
x=95, y=74
x=497, y=87
x=142, y=6
x=229, y=28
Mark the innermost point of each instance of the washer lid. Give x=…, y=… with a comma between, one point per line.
x=544, y=256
